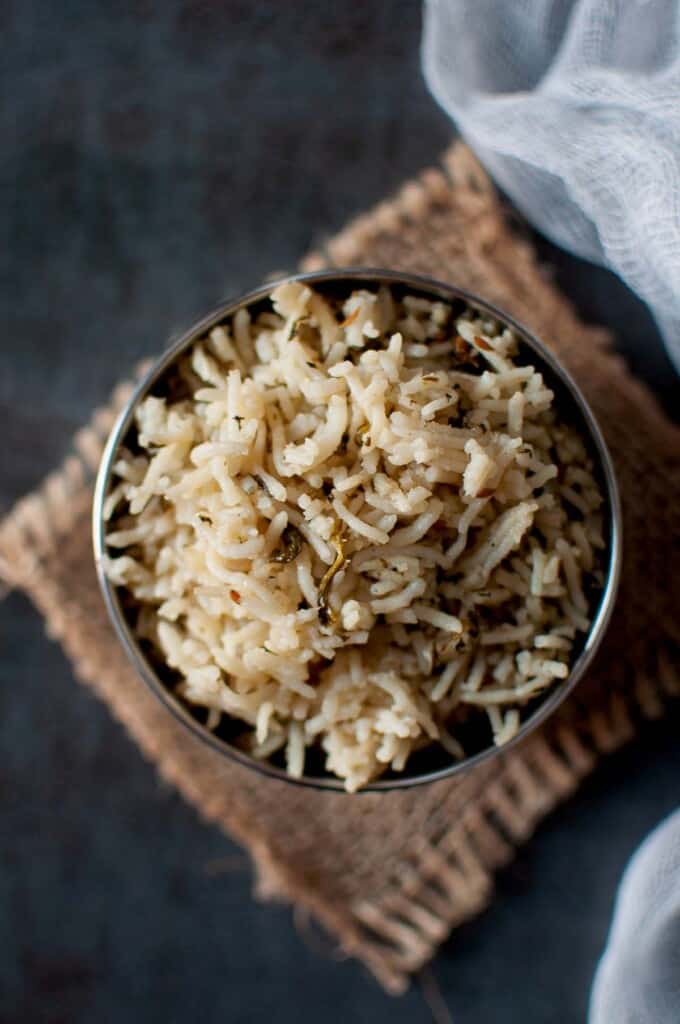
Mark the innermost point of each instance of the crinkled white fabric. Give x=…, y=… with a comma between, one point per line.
x=574, y=108
x=638, y=980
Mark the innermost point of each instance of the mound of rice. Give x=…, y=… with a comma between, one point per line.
x=356, y=524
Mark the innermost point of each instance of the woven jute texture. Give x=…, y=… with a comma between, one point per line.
x=391, y=874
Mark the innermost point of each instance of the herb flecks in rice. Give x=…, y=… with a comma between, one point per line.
x=357, y=525
x=290, y=547
x=326, y=613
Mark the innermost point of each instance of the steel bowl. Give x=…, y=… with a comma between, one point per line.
x=431, y=764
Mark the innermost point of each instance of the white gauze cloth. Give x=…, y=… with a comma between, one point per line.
x=638, y=980
x=574, y=108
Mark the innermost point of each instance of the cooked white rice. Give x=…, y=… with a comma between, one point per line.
x=360, y=525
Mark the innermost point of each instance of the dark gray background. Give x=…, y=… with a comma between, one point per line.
x=157, y=156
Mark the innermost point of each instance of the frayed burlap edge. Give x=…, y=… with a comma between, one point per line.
x=444, y=875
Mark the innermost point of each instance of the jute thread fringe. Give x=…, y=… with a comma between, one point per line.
x=391, y=874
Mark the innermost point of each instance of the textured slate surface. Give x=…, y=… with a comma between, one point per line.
x=156, y=157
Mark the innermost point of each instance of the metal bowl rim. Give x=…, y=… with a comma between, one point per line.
x=446, y=292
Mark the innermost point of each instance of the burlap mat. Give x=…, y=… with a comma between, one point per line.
x=391, y=874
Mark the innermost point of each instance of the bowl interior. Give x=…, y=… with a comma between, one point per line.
x=432, y=762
